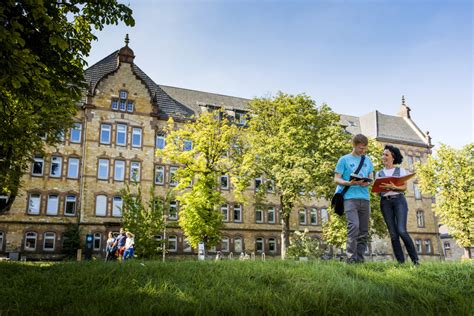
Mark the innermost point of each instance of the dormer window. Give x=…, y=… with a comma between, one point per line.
x=123, y=94
x=122, y=103
x=130, y=106
x=115, y=104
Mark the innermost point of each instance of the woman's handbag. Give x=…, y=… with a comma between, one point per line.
x=337, y=201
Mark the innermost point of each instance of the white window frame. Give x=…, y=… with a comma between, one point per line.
x=103, y=169
x=2, y=239
x=259, y=241
x=324, y=215
x=187, y=145
x=51, y=236
x=272, y=242
x=58, y=161
x=271, y=210
x=52, y=207
x=34, y=199
x=258, y=181
x=173, y=215
x=225, y=212
x=428, y=246
x=121, y=131
x=119, y=170
x=135, y=167
x=238, y=242
x=117, y=204
x=420, y=218
x=172, y=240
x=105, y=130
x=29, y=236
x=101, y=205
x=97, y=237
x=172, y=181
x=418, y=246
x=237, y=208
x=115, y=104
x=130, y=106
x=38, y=161
x=76, y=133
x=225, y=244
x=416, y=192
x=123, y=94
x=160, y=140
x=73, y=164
x=226, y=177
x=302, y=221
x=159, y=169
x=257, y=212
x=136, y=137
x=187, y=246
x=313, y=215
x=70, y=199
x=123, y=105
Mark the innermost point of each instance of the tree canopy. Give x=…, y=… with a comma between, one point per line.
x=44, y=44
x=449, y=176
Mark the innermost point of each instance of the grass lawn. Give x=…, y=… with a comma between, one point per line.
x=235, y=287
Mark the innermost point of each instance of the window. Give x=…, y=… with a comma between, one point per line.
x=187, y=246
x=271, y=216
x=119, y=170
x=238, y=244
x=420, y=218
x=136, y=137
x=225, y=212
x=38, y=166
x=418, y=159
x=324, y=215
x=97, y=241
x=117, y=206
x=237, y=213
x=225, y=182
x=3, y=201
x=410, y=162
x=428, y=246
x=272, y=245
x=103, y=170
x=115, y=104
x=173, y=181
x=270, y=186
x=302, y=216
x=418, y=245
x=123, y=94
x=258, y=183
x=160, y=141
x=101, y=205
x=121, y=138
x=258, y=216
x=172, y=243
x=105, y=133
x=56, y=166
x=70, y=205
x=159, y=175
x=259, y=247
x=34, y=203
x=225, y=244
x=314, y=216
x=130, y=106
x=417, y=192
x=73, y=168
x=173, y=211
x=52, y=207
x=187, y=145
x=49, y=241
x=447, y=245
x=2, y=239
x=76, y=133
x=30, y=241
x=135, y=171
x=61, y=135
x=123, y=105
x=240, y=118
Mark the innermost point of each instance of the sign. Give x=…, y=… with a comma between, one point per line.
x=201, y=251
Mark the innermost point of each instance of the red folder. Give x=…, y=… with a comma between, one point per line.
x=398, y=181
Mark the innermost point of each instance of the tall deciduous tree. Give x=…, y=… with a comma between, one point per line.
x=335, y=229
x=144, y=219
x=295, y=145
x=201, y=150
x=43, y=45
x=450, y=178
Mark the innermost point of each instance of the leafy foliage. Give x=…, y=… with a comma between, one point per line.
x=203, y=163
x=302, y=245
x=71, y=241
x=335, y=230
x=450, y=177
x=295, y=145
x=144, y=219
x=41, y=74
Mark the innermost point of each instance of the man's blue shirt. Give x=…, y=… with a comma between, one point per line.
x=346, y=166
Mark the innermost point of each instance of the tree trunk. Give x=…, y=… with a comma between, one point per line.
x=285, y=211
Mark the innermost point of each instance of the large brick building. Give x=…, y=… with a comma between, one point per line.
x=118, y=127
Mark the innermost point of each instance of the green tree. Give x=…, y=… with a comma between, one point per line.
x=450, y=178
x=335, y=229
x=294, y=144
x=71, y=240
x=41, y=74
x=201, y=150
x=144, y=219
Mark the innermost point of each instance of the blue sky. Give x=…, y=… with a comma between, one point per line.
x=356, y=56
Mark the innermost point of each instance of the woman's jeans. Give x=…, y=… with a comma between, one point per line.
x=394, y=211
x=128, y=254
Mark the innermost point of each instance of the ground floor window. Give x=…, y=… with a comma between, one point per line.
x=49, y=241
x=30, y=241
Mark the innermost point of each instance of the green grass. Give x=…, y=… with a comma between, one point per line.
x=234, y=287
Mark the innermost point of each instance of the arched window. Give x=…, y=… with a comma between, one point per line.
x=259, y=245
x=30, y=241
x=272, y=246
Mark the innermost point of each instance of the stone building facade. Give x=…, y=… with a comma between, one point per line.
x=119, y=126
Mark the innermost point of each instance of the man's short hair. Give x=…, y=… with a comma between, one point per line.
x=360, y=139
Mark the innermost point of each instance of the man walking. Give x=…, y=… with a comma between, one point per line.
x=356, y=198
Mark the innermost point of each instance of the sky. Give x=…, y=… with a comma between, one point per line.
x=356, y=56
